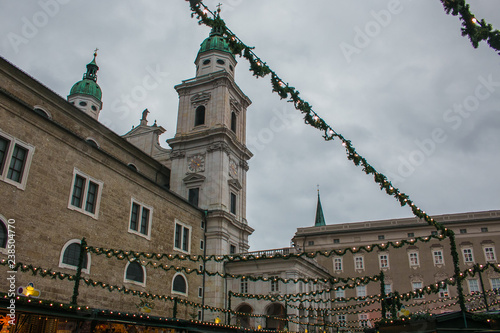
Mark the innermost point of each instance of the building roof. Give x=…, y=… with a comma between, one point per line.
x=88, y=85
x=320, y=218
x=215, y=41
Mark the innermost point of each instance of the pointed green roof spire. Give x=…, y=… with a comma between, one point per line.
x=320, y=218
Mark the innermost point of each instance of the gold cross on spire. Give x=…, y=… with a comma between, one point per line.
x=95, y=51
x=218, y=7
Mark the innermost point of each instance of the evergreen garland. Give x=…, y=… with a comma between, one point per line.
x=476, y=30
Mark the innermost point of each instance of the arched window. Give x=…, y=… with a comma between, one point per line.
x=179, y=284
x=3, y=234
x=233, y=122
x=92, y=142
x=42, y=112
x=70, y=256
x=199, y=117
x=132, y=167
x=134, y=272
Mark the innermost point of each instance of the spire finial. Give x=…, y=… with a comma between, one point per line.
x=95, y=52
x=218, y=8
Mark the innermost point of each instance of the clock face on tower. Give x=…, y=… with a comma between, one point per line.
x=196, y=163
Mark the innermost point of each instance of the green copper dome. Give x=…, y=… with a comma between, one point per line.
x=215, y=42
x=88, y=85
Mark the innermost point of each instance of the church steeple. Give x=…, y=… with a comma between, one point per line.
x=320, y=218
x=86, y=94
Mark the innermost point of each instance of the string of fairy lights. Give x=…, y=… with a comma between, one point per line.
x=136, y=255
x=476, y=30
x=434, y=288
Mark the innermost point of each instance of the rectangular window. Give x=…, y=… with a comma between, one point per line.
x=484, y=229
x=85, y=194
x=337, y=264
x=359, y=262
x=381, y=237
x=274, y=283
x=438, y=257
x=336, y=241
x=232, y=249
x=182, y=238
x=489, y=254
x=340, y=293
x=383, y=260
x=388, y=288
x=15, y=159
x=411, y=234
x=473, y=286
x=468, y=256
x=341, y=320
x=434, y=233
x=416, y=286
x=193, y=195
x=363, y=320
x=443, y=292
x=200, y=292
x=413, y=257
x=360, y=291
x=140, y=219
x=202, y=244
x=244, y=287
x=463, y=231
x=495, y=283
x=233, y=203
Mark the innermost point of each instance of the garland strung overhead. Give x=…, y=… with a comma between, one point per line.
x=285, y=91
x=131, y=255
x=476, y=30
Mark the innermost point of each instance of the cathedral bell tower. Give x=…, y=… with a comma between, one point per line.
x=209, y=155
x=86, y=94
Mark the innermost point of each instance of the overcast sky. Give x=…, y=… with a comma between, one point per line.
x=394, y=77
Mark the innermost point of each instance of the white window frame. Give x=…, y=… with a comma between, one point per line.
x=338, y=264
x=341, y=319
x=388, y=288
x=361, y=291
x=364, y=320
x=437, y=257
x=491, y=252
x=244, y=286
x=413, y=259
x=184, y=227
x=8, y=158
x=495, y=283
x=4, y=222
x=88, y=179
x=187, y=285
x=469, y=256
x=340, y=293
x=275, y=285
x=443, y=292
x=380, y=260
x=416, y=286
x=361, y=261
x=61, y=257
x=142, y=284
x=139, y=221
x=473, y=284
